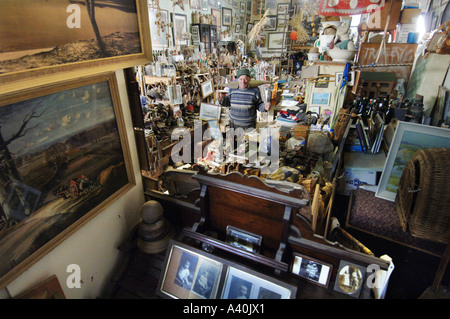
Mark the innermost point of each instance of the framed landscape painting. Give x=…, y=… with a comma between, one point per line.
x=39, y=38
x=408, y=139
x=63, y=158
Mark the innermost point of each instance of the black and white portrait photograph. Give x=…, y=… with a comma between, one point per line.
x=311, y=270
x=206, y=279
x=186, y=271
x=239, y=289
x=247, y=284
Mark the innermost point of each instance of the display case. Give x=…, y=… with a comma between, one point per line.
x=207, y=35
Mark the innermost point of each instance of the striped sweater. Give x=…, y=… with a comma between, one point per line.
x=243, y=106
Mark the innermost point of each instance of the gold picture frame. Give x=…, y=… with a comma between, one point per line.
x=76, y=163
x=63, y=40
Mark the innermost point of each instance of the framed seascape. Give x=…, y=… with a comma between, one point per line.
x=41, y=38
x=63, y=159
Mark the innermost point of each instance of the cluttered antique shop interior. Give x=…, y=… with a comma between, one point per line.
x=233, y=149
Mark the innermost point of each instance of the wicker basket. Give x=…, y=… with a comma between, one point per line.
x=423, y=201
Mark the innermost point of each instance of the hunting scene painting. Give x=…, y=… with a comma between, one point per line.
x=45, y=33
x=61, y=158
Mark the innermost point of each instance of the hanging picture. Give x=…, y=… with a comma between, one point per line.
x=160, y=20
x=271, y=24
x=217, y=17
x=42, y=37
x=226, y=16
x=242, y=8
x=275, y=40
x=196, y=4
x=64, y=158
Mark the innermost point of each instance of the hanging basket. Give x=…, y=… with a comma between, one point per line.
x=423, y=201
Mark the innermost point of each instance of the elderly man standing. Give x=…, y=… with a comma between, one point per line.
x=244, y=102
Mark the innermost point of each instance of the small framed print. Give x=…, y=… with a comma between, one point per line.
x=237, y=28
x=243, y=239
x=226, y=16
x=350, y=78
x=283, y=8
x=271, y=24
x=175, y=96
x=207, y=88
x=320, y=99
x=350, y=279
x=249, y=27
x=312, y=270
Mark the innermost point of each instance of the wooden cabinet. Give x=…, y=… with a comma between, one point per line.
x=206, y=35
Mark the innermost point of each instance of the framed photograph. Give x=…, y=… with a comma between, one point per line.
x=237, y=28
x=236, y=4
x=213, y=3
x=196, y=4
x=243, y=239
x=350, y=279
x=123, y=38
x=350, y=78
x=242, y=7
x=241, y=283
x=320, y=98
x=207, y=88
x=179, y=29
x=408, y=139
x=189, y=274
x=283, y=9
x=214, y=129
x=175, y=96
x=68, y=159
x=195, y=35
x=275, y=40
x=226, y=16
x=271, y=24
x=312, y=270
x=159, y=33
x=209, y=111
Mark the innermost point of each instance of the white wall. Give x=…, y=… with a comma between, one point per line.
x=94, y=246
